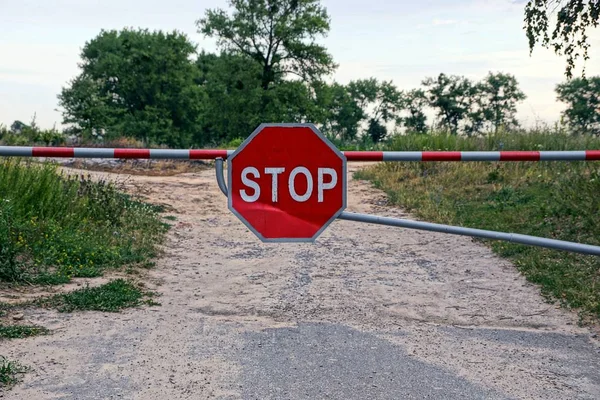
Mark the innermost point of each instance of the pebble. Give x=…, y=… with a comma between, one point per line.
x=18, y=317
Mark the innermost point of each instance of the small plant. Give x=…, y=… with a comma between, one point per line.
x=21, y=331
x=112, y=297
x=10, y=372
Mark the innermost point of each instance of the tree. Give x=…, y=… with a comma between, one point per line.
x=569, y=37
x=416, y=101
x=17, y=127
x=136, y=83
x=236, y=103
x=278, y=35
x=451, y=96
x=381, y=103
x=582, y=96
x=497, y=98
x=232, y=108
x=337, y=111
x=376, y=131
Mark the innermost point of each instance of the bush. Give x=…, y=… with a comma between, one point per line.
x=54, y=227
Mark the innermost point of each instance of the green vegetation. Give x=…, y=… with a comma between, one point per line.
x=21, y=134
x=10, y=371
x=554, y=199
x=571, y=20
x=112, y=297
x=54, y=227
x=21, y=331
x=582, y=97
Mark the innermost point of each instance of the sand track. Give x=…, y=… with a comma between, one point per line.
x=366, y=312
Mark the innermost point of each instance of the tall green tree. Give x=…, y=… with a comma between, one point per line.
x=337, y=111
x=582, y=97
x=136, y=83
x=381, y=103
x=278, y=35
x=415, y=103
x=232, y=108
x=451, y=97
x=569, y=37
x=497, y=97
x=236, y=103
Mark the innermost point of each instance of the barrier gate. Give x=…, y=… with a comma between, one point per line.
x=287, y=182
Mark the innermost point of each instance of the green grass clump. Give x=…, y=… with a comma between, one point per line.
x=557, y=200
x=54, y=227
x=10, y=372
x=21, y=331
x=112, y=297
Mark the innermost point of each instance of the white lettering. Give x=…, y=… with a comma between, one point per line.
x=274, y=172
x=309, y=184
x=251, y=184
x=321, y=185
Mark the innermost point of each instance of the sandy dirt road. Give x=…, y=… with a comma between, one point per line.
x=368, y=312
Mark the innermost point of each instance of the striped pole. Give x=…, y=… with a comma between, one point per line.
x=211, y=154
x=584, y=155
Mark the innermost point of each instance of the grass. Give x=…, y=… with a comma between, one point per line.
x=10, y=372
x=54, y=227
x=21, y=331
x=111, y=297
x=556, y=200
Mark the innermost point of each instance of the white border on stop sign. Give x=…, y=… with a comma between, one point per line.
x=327, y=142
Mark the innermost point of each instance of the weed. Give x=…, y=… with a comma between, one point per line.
x=111, y=297
x=21, y=331
x=10, y=372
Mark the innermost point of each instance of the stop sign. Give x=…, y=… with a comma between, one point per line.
x=287, y=182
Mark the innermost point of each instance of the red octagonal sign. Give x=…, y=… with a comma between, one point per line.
x=287, y=182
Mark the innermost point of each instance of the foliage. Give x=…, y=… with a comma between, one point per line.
x=463, y=105
x=451, y=96
x=54, y=227
x=498, y=96
x=337, y=111
x=110, y=297
x=136, y=83
x=569, y=36
x=279, y=36
x=233, y=101
x=376, y=131
x=21, y=331
x=236, y=103
x=381, y=103
x=416, y=101
x=21, y=134
x=582, y=96
x=555, y=200
x=10, y=372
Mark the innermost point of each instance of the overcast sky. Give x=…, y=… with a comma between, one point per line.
x=401, y=40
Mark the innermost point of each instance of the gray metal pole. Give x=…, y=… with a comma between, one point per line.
x=220, y=177
x=456, y=230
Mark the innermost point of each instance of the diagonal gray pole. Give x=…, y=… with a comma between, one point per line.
x=480, y=233
x=454, y=230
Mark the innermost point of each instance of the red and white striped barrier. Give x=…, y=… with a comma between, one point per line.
x=588, y=155
x=211, y=154
x=82, y=152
